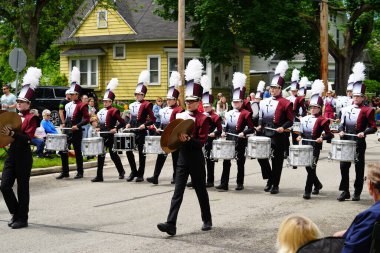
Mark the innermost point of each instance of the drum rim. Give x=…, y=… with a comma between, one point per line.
x=343, y=141
x=124, y=134
x=300, y=147
x=56, y=135
x=224, y=141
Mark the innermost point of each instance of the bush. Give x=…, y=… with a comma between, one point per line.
x=373, y=86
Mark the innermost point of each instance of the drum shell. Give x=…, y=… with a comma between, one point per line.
x=124, y=142
x=223, y=149
x=301, y=155
x=259, y=147
x=343, y=150
x=56, y=142
x=92, y=146
x=153, y=145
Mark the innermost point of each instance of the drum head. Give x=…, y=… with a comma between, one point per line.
x=166, y=134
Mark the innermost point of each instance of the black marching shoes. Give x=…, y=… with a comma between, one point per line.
x=62, y=175
x=19, y=224
x=170, y=229
x=207, y=225
x=343, y=196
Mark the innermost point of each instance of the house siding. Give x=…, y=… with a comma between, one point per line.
x=115, y=25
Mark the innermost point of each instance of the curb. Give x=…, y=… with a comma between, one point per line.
x=58, y=169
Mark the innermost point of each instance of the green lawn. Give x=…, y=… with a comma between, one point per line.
x=39, y=162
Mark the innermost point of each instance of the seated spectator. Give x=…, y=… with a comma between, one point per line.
x=358, y=236
x=39, y=141
x=46, y=123
x=294, y=232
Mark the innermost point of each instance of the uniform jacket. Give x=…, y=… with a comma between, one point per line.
x=80, y=116
x=312, y=127
x=111, y=118
x=30, y=123
x=356, y=119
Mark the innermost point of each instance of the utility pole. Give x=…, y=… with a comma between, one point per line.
x=324, y=42
x=181, y=49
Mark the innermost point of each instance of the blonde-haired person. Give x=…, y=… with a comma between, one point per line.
x=294, y=232
x=92, y=131
x=358, y=236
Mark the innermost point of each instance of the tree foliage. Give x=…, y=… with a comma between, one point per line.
x=284, y=27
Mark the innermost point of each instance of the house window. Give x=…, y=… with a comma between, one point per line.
x=173, y=64
x=154, y=67
x=88, y=68
x=119, y=51
x=102, y=19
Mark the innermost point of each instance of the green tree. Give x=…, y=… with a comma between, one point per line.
x=285, y=27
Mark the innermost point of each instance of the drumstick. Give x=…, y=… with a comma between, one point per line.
x=274, y=129
x=308, y=140
x=130, y=129
x=159, y=130
x=233, y=134
x=105, y=132
x=351, y=134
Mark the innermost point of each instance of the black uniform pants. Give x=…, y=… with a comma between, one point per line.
x=76, y=140
x=359, y=170
x=312, y=178
x=193, y=165
x=131, y=157
x=17, y=167
x=108, y=144
x=161, y=158
x=240, y=160
x=273, y=174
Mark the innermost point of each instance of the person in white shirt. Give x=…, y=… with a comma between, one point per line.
x=8, y=100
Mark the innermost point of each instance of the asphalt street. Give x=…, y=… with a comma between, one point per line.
x=118, y=216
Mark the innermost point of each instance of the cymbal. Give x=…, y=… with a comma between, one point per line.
x=166, y=133
x=185, y=127
x=13, y=120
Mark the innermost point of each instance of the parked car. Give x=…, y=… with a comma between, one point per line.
x=49, y=97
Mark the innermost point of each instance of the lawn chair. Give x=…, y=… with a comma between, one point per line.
x=375, y=245
x=324, y=245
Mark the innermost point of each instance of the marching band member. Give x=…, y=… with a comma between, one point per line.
x=215, y=127
x=256, y=105
x=76, y=117
x=142, y=116
x=191, y=160
x=18, y=165
x=111, y=121
x=167, y=115
x=237, y=120
x=275, y=113
x=311, y=128
x=294, y=87
x=360, y=120
x=329, y=103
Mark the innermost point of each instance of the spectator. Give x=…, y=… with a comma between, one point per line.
x=62, y=112
x=294, y=232
x=252, y=98
x=39, y=141
x=46, y=123
x=358, y=236
x=266, y=92
x=8, y=100
x=91, y=106
x=156, y=109
x=85, y=128
x=222, y=107
x=94, y=124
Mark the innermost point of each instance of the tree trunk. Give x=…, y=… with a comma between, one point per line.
x=342, y=72
x=32, y=40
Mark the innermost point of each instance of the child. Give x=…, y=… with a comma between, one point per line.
x=92, y=131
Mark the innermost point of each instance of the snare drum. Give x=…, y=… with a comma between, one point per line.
x=259, y=147
x=301, y=155
x=56, y=142
x=92, y=146
x=343, y=150
x=124, y=142
x=223, y=149
x=152, y=145
x=296, y=127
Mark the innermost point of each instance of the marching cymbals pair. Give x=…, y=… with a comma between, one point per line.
x=12, y=120
x=170, y=137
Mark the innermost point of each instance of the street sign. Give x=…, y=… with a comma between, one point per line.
x=17, y=59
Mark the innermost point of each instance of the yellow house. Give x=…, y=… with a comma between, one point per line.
x=124, y=40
